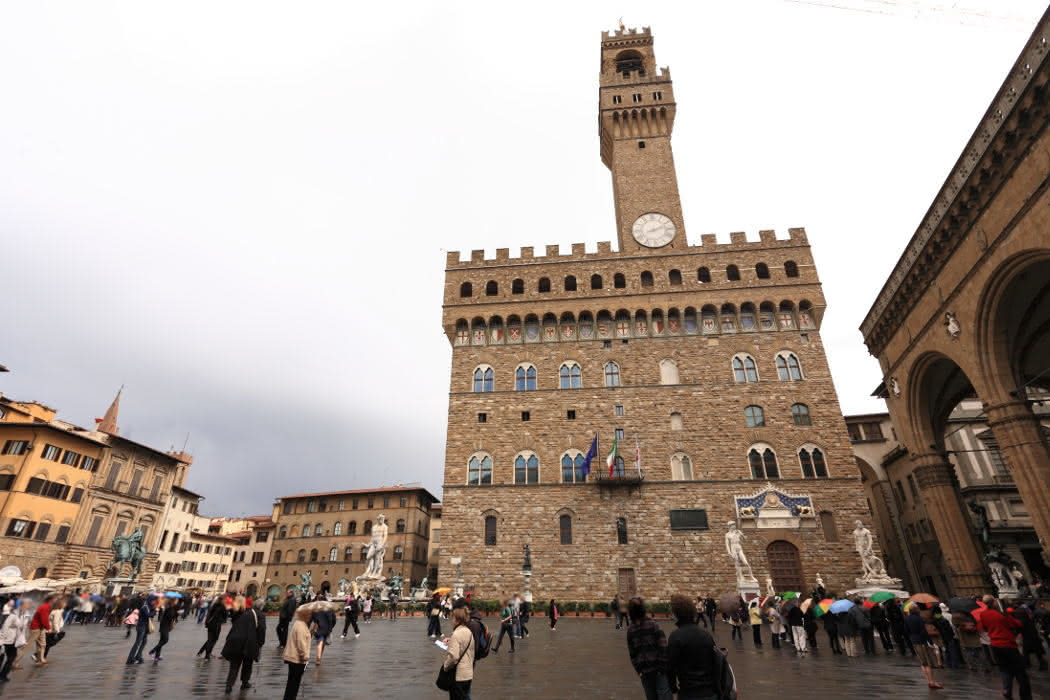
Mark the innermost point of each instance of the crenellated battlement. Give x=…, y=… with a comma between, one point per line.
x=626, y=33
x=552, y=253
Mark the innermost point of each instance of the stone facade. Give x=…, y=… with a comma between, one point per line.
x=339, y=525
x=963, y=315
x=673, y=318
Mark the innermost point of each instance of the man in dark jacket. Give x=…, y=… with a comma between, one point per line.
x=710, y=606
x=895, y=616
x=797, y=622
x=691, y=663
x=831, y=626
x=350, y=611
x=284, y=617
x=243, y=643
x=213, y=621
x=647, y=647
x=882, y=625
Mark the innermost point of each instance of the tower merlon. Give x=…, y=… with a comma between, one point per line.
x=623, y=32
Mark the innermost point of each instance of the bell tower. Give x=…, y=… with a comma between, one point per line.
x=636, y=111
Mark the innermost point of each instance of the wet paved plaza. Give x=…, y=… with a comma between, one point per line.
x=584, y=658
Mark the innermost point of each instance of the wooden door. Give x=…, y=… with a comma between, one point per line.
x=627, y=585
x=785, y=567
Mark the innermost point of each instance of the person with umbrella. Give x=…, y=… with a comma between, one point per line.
x=879, y=621
x=921, y=642
x=831, y=626
x=847, y=625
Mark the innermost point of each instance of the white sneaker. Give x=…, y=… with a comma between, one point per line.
x=343, y=637
x=357, y=635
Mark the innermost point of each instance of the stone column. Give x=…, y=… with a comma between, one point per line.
x=900, y=541
x=1020, y=438
x=952, y=525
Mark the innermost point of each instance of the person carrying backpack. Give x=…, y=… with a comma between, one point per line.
x=482, y=638
x=692, y=666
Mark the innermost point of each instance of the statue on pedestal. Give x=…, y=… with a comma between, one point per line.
x=128, y=549
x=736, y=553
x=376, y=550
x=874, y=571
x=770, y=591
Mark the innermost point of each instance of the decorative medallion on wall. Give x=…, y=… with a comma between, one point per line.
x=771, y=507
x=951, y=325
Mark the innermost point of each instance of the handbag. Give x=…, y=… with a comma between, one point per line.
x=447, y=676
x=152, y=627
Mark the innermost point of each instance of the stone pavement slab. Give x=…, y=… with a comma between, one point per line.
x=584, y=658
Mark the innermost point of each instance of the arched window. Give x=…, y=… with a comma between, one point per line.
x=619, y=281
x=318, y=530
x=490, y=530
x=744, y=369
x=465, y=290
x=763, y=462
x=277, y=556
x=400, y=528
x=612, y=374
x=364, y=552
x=596, y=281
x=621, y=530
x=788, y=368
x=337, y=529
x=399, y=553
x=479, y=471
x=313, y=555
x=307, y=530
x=703, y=275
x=526, y=469
x=791, y=269
x=517, y=286
x=570, y=284
x=754, y=417
x=800, y=414
x=301, y=557
x=333, y=554
x=647, y=279
x=762, y=271
x=525, y=378
x=572, y=467
x=732, y=273
x=569, y=376
x=368, y=527
x=565, y=529
x=668, y=372
x=676, y=421
x=811, y=459
x=681, y=467
x=348, y=553
x=483, y=379
x=282, y=533
x=545, y=284
x=491, y=288
x=351, y=528
x=674, y=277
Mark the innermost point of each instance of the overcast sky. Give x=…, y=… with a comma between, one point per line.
x=240, y=211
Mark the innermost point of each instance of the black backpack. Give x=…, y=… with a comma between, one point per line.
x=725, y=679
x=482, y=639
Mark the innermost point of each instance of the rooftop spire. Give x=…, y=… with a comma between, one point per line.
x=108, y=423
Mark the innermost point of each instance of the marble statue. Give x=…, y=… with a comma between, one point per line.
x=376, y=549
x=999, y=564
x=128, y=549
x=873, y=570
x=770, y=591
x=344, y=587
x=983, y=529
x=305, y=586
x=736, y=553
x=952, y=326
x=820, y=581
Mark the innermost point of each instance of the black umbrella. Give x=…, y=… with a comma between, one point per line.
x=962, y=605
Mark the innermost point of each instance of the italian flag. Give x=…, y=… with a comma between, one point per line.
x=611, y=459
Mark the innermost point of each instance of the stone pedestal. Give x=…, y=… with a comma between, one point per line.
x=748, y=589
x=119, y=585
x=868, y=591
x=527, y=591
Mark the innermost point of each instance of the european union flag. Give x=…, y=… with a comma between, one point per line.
x=591, y=454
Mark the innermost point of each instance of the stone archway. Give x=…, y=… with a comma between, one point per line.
x=251, y=590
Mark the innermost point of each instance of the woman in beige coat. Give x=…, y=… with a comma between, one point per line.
x=460, y=655
x=297, y=652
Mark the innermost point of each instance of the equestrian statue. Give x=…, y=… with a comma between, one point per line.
x=128, y=549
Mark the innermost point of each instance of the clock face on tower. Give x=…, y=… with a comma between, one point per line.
x=653, y=230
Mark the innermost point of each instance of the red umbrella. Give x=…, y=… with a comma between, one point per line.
x=869, y=604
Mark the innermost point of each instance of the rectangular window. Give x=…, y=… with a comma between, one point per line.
x=6, y=481
x=17, y=528
x=70, y=458
x=900, y=492
x=92, y=535
x=619, y=434
x=617, y=99
x=607, y=344
x=636, y=97
x=689, y=519
x=136, y=479
x=872, y=431
x=618, y=410
x=525, y=415
x=404, y=501
x=323, y=506
x=855, y=434
x=35, y=485
x=62, y=536
x=89, y=464
x=386, y=501
x=658, y=95
x=483, y=417
x=288, y=505
x=207, y=549
x=913, y=487
x=114, y=473
x=78, y=495
x=257, y=557
x=371, y=502
x=154, y=493
x=16, y=447
x=51, y=452
x=354, y=503
x=570, y=414
x=41, y=532
x=262, y=535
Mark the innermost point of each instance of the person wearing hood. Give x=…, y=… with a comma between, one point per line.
x=146, y=613
x=285, y=616
x=244, y=642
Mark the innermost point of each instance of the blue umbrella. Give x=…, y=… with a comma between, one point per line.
x=172, y=594
x=840, y=606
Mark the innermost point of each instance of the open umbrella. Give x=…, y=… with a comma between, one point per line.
x=880, y=596
x=789, y=595
x=840, y=606
x=962, y=605
x=868, y=604
x=806, y=604
x=172, y=594
x=319, y=605
x=924, y=598
x=729, y=603
x=785, y=606
x=443, y=590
